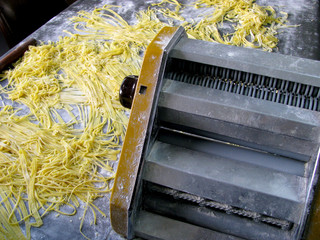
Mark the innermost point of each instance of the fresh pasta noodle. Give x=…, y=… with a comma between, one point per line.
x=59, y=143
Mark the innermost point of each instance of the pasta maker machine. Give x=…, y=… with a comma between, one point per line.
x=222, y=143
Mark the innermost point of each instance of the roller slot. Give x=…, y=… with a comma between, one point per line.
x=256, y=86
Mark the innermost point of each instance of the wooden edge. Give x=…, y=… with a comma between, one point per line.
x=16, y=53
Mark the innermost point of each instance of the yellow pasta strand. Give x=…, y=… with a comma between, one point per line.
x=254, y=26
x=59, y=148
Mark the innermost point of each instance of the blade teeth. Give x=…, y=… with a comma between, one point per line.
x=283, y=224
x=189, y=197
x=246, y=213
x=213, y=204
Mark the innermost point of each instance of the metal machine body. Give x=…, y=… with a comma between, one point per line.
x=222, y=143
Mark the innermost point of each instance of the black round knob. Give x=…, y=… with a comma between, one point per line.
x=127, y=89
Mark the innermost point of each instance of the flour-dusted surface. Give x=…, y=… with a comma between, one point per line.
x=303, y=41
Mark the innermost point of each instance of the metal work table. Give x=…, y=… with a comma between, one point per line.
x=302, y=41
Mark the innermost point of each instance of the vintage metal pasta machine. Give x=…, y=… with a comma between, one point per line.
x=222, y=143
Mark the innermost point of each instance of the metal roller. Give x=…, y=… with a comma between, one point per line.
x=222, y=141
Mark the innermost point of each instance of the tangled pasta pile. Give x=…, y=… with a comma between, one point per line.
x=58, y=144
x=254, y=26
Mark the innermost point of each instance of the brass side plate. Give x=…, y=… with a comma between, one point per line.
x=136, y=134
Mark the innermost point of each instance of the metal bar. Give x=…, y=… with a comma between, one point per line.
x=202, y=202
x=240, y=117
x=155, y=227
x=224, y=180
x=267, y=64
x=215, y=220
x=231, y=151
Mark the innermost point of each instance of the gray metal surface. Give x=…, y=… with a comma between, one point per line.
x=303, y=41
x=218, y=221
x=225, y=173
x=232, y=151
x=248, y=60
x=155, y=227
x=271, y=89
x=210, y=174
x=240, y=117
x=210, y=206
x=238, y=184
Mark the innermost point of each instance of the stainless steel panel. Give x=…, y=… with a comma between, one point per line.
x=227, y=181
x=155, y=227
x=252, y=120
x=232, y=151
x=217, y=220
x=248, y=60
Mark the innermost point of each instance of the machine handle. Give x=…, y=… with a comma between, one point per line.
x=127, y=90
x=16, y=53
